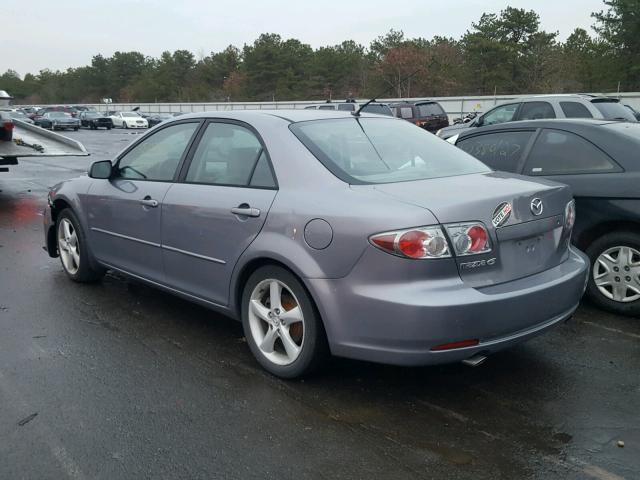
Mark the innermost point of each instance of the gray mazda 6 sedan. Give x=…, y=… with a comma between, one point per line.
x=326, y=232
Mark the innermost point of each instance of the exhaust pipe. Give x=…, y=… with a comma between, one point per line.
x=474, y=361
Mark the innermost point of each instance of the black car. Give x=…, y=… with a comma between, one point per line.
x=94, y=120
x=427, y=114
x=598, y=160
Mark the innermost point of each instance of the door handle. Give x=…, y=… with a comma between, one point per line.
x=246, y=211
x=149, y=202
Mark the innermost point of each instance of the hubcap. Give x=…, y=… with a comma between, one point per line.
x=616, y=273
x=276, y=321
x=68, y=246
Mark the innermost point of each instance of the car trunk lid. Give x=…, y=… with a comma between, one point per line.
x=524, y=239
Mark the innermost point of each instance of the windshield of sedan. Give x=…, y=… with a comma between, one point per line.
x=130, y=114
x=58, y=115
x=380, y=150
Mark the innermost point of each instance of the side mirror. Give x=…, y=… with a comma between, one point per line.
x=477, y=122
x=101, y=169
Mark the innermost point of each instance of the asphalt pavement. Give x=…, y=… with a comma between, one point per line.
x=120, y=381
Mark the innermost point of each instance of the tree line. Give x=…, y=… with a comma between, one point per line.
x=504, y=53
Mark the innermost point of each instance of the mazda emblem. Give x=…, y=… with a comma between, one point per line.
x=536, y=206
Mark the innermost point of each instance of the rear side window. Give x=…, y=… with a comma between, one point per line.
x=326, y=107
x=379, y=109
x=575, y=110
x=227, y=154
x=347, y=107
x=500, y=150
x=563, y=153
x=614, y=111
x=406, y=112
x=430, y=109
x=536, y=111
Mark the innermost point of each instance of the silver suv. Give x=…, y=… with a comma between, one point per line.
x=539, y=107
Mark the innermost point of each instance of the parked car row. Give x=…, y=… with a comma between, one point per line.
x=541, y=107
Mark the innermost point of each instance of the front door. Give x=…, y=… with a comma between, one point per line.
x=124, y=211
x=212, y=216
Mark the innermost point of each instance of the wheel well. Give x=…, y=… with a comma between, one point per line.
x=251, y=267
x=58, y=206
x=588, y=236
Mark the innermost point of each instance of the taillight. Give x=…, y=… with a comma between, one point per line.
x=570, y=215
x=469, y=238
x=8, y=125
x=418, y=243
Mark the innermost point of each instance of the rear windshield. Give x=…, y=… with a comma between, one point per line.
x=380, y=150
x=379, y=109
x=614, y=111
x=430, y=109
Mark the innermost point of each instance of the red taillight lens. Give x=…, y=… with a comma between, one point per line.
x=385, y=242
x=8, y=125
x=453, y=345
x=412, y=243
x=418, y=243
x=469, y=238
x=479, y=238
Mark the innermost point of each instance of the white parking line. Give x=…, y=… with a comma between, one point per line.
x=613, y=330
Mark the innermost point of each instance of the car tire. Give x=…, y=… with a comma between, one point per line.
x=124, y=125
x=615, y=265
x=270, y=331
x=73, y=249
x=108, y=128
x=75, y=129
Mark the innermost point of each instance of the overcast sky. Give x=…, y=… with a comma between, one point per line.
x=39, y=34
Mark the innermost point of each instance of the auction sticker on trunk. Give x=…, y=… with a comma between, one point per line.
x=501, y=214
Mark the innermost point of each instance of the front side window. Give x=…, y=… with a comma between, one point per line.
x=536, y=111
x=230, y=154
x=501, y=114
x=157, y=156
x=501, y=151
x=326, y=107
x=380, y=150
x=558, y=152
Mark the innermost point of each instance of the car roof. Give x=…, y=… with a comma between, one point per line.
x=608, y=135
x=568, y=96
x=542, y=123
x=290, y=115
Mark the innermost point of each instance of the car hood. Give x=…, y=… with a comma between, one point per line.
x=451, y=130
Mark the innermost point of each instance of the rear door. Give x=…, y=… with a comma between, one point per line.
x=504, y=150
x=215, y=212
x=124, y=211
x=535, y=111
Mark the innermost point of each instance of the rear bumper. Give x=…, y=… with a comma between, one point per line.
x=399, y=322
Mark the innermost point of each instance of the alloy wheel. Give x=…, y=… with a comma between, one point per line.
x=616, y=274
x=68, y=246
x=276, y=321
